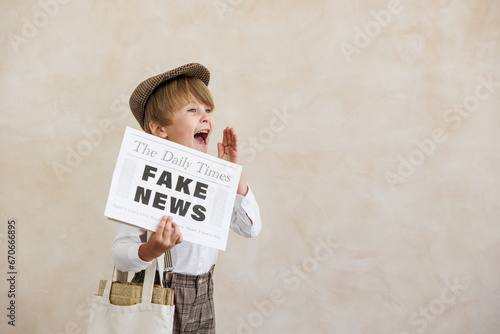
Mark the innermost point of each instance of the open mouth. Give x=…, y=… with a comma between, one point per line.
x=201, y=137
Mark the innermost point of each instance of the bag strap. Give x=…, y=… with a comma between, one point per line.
x=119, y=276
x=161, y=267
x=149, y=280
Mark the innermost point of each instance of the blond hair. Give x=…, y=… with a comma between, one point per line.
x=171, y=96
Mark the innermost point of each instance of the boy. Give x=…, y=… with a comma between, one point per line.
x=177, y=106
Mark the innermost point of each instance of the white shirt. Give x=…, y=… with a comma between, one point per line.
x=189, y=258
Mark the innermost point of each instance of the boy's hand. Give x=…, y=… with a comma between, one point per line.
x=162, y=240
x=229, y=149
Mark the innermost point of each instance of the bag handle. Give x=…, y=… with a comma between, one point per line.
x=149, y=277
x=149, y=280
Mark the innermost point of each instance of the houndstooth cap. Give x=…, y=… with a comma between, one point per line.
x=142, y=93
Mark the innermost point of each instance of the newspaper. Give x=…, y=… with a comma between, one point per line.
x=154, y=177
x=126, y=294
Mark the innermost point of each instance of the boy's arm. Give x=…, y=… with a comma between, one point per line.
x=132, y=252
x=242, y=186
x=125, y=249
x=229, y=150
x=246, y=217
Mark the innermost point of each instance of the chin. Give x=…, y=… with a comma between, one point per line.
x=200, y=149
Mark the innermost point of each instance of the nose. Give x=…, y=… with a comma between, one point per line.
x=205, y=117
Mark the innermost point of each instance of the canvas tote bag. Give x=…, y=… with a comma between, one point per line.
x=144, y=317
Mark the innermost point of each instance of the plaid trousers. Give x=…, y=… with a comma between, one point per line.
x=193, y=300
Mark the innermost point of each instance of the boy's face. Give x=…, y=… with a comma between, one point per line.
x=191, y=126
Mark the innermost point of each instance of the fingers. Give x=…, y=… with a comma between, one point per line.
x=234, y=138
x=167, y=231
x=161, y=226
x=224, y=137
x=167, y=235
x=229, y=138
x=224, y=147
x=172, y=232
x=229, y=149
x=163, y=230
x=176, y=237
x=220, y=150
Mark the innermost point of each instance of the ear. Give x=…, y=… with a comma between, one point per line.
x=157, y=130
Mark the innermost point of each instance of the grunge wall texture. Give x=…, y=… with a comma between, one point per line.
x=369, y=132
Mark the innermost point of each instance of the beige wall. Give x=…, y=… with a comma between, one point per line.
x=379, y=190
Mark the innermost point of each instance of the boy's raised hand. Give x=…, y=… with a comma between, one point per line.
x=162, y=240
x=229, y=149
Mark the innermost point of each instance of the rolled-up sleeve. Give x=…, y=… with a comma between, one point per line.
x=246, y=216
x=125, y=249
